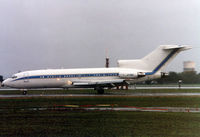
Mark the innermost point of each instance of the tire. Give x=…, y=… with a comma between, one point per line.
x=24, y=92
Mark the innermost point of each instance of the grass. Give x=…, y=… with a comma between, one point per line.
x=34, y=102
x=99, y=124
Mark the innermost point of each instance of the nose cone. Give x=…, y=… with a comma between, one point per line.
x=5, y=83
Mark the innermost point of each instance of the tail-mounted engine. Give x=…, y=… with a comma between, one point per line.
x=131, y=75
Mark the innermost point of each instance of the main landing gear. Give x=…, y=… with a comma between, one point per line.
x=24, y=91
x=100, y=90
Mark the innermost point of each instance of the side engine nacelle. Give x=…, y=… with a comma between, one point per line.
x=131, y=75
x=158, y=75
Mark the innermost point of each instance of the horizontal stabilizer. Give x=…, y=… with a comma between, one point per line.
x=182, y=47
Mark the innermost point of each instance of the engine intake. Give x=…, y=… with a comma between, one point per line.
x=164, y=74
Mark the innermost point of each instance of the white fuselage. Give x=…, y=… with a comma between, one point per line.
x=63, y=78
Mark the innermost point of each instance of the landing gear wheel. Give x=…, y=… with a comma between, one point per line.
x=100, y=90
x=24, y=92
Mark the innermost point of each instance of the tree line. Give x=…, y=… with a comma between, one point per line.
x=190, y=77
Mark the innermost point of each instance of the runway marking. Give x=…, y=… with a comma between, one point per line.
x=107, y=107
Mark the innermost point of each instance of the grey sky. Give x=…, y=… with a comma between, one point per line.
x=38, y=34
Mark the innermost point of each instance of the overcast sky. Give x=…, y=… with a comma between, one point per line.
x=40, y=34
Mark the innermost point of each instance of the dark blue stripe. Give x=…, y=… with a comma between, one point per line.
x=68, y=76
x=162, y=63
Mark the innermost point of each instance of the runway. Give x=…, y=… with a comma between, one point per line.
x=107, y=107
x=131, y=88
x=149, y=109
x=104, y=95
x=165, y=88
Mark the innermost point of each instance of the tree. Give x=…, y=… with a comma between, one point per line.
x=1, y=78
x=172, y=78
x=190, y=77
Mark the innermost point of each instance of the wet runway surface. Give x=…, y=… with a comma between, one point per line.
x=103, y=95
x=171, y=87
x=150, y=109
x=108, y=108
x=165, y=88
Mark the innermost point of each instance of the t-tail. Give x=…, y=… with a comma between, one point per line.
x=156, y=61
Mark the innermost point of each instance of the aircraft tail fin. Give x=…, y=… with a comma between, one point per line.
x=156, y=60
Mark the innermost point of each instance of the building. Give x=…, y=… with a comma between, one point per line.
x=189, y=66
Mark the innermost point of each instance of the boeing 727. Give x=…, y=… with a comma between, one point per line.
x=128, y=72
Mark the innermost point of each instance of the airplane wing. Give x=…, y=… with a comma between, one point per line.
x=102, y=83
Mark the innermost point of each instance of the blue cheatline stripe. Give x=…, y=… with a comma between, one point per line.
x=68, y=76
x=162, y=63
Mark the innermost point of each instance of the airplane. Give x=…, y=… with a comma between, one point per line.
x=128, y=72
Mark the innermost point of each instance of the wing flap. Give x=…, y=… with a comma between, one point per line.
x=96, y=82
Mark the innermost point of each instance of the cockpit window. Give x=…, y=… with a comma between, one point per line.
x=13, y=77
